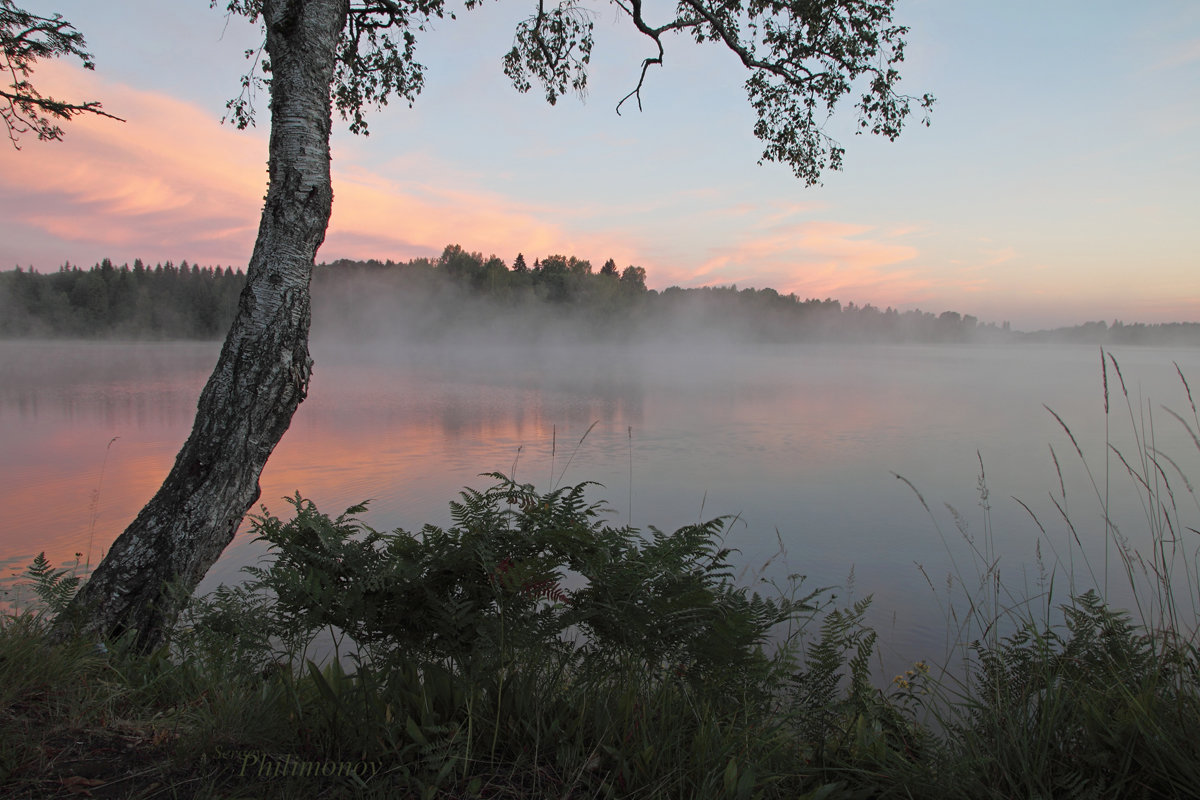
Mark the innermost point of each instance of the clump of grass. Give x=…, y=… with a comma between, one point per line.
x=1098, y=707
x=76, y=719
x=1076, y=698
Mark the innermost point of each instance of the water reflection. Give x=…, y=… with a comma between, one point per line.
x=800, y=444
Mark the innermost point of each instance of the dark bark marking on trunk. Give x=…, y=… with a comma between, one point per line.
x=263, y=371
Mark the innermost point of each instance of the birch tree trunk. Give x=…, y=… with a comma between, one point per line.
x=263, y=371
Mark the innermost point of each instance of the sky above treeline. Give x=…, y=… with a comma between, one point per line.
x=1059, y=182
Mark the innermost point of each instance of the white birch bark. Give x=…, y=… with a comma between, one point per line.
x=263, y=371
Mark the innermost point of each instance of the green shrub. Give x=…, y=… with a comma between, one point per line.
x=520, y=573
x=1097, y=707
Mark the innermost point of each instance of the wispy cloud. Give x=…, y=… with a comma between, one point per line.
x=169, y=182
x=173, y=182
x=814, y=258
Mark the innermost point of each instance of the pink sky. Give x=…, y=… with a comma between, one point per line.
x=1025, y=204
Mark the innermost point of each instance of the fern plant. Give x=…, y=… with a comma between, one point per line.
x=520, y=573
x=53, y=587
x=527, y=620
x=1097, y=707
x=837, y=713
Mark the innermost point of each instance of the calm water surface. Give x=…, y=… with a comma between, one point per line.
x=801, y=444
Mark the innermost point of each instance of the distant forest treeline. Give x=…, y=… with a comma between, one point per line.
x=465, y=295
x=162, y=302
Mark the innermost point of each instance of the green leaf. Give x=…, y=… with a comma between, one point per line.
x=731, y=774
x=323, y=685
x=414, y=731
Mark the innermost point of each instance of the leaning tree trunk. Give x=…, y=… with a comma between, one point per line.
x=263, y=371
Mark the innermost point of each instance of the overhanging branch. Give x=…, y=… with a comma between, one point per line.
x=635, y=13
x=25, y=38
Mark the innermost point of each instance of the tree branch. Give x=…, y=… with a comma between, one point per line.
x=26, y=38
x=22, y=114
x=801, y=56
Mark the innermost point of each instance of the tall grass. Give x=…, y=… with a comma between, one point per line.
x=1054, y=693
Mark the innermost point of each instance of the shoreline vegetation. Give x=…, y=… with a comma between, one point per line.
x=532, y=649
x=464, y=296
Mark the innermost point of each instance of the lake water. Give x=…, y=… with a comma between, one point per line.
x=802, y=444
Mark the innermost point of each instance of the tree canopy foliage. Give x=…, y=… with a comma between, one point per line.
x=804, y=57
x=24, y=39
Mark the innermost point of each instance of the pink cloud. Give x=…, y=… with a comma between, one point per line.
x=172, y=182
x=372, y=212
x=815, y=258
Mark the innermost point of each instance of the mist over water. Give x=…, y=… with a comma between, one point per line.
x=800, y=442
